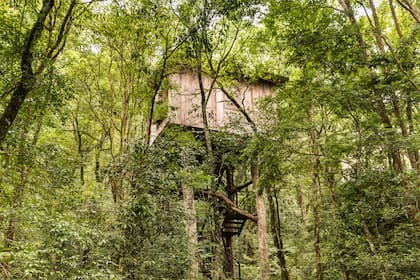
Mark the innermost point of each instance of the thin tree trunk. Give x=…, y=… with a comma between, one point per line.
x=372, y=247
x=148, y=134
x=191, y=230
x=302, y=203
x=409, y=114
x=20, y=188
x=397, y=159
x=207, y=139
x=157, y=88
x=394, y=18
x=78, y=136
x=404, y=131
x=264, y=265
x=346, y=275
x=98, y=176
x=377, y=28
x=411, y=8
x=277, y=236
x=380, y=105
x=329, y=179
x=229, y=265
x=113, y=177
x=350, y=13
x=228, y=240
x=315, y=191
x=395, y=100
x=217, y=261
x=17, y=197
x=396, y=162
x=413, y=153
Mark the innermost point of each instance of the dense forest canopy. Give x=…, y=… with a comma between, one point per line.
x=319, y=181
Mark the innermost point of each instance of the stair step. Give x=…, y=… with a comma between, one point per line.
x=233, y=224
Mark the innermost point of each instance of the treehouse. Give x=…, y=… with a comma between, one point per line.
x=228, y=106
x=231, y=108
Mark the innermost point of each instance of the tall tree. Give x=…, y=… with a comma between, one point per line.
x=56, y=19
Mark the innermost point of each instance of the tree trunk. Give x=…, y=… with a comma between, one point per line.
x=78, y=136
x=217, y=260
x=17, y=202
x=228, y=240
x=277, y=237
x=409, y=114
x=350, y=14
x=207, y=138
x=377, y=28
x=394, y=18
x=191, y=230
x=24, y=169
x=264, y=265
x=300, y=196
x=315, y=191
x=98, y=176
x=411, y=8
x=27, y=79
x=380, y=105
x=229, y=265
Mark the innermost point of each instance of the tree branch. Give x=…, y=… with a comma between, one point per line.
x=230, y=205
x=27, y=79
x=239, y=107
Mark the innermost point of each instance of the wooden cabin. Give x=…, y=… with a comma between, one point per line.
x=184, y=109
x=184, y=101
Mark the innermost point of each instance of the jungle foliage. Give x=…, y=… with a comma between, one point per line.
x=334, y=152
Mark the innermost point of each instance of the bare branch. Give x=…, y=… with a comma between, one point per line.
x=230, y=205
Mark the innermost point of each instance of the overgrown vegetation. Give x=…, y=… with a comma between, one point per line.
x=330, y=162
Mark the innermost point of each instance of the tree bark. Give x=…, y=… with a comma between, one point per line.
x=377, y=27
x=17, y=197
x=350, y=14
x=277, y=236
x=79, y=140
x=315, y=192
x=411, y=8
x=264, y=265
x=300, y=196
x=98, y=148
x=27, y=79
x=204, y=98
x=394, y=18
x=19, y=191
x=409, y=114
x=229, y=265
x=396, y=156
x=228, y=240
x=191, y=230
x=380, y=105
x=231, y=205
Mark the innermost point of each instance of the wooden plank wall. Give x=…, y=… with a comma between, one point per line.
x=185, y=102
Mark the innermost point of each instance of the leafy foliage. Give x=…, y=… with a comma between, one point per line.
x=84, y=196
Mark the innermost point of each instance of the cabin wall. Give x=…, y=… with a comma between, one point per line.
x=185, y=103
